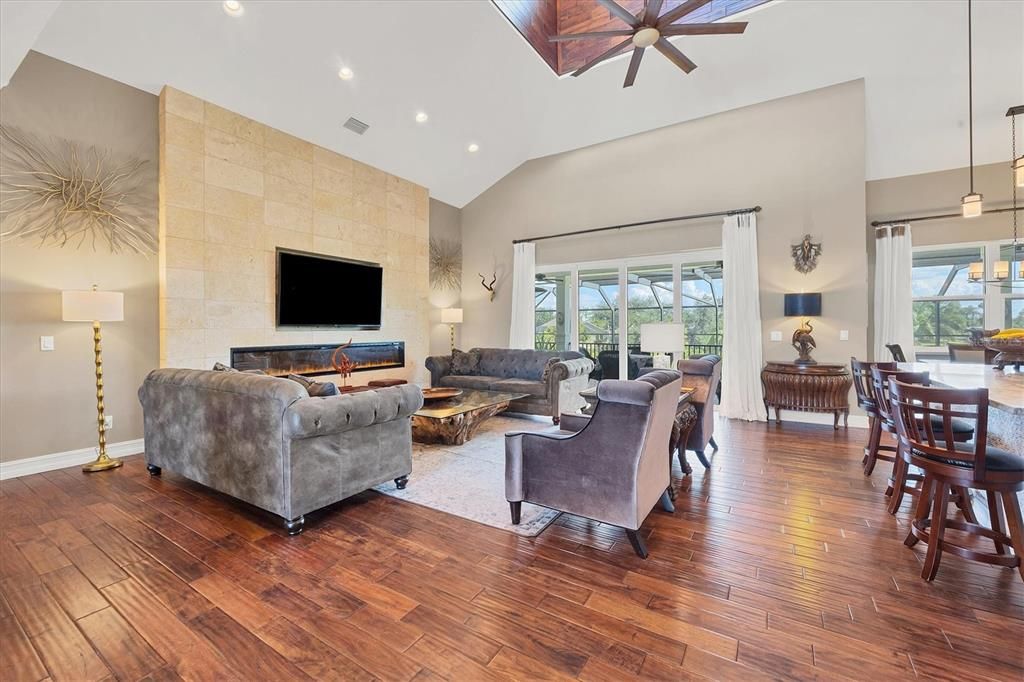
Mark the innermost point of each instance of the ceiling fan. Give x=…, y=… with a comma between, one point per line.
x=650, y=30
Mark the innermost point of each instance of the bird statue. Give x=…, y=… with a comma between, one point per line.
x=803, y=342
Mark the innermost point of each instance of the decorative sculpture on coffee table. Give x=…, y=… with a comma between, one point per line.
x=342, y=364
x=803, y=305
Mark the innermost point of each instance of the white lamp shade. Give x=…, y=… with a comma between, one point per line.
x=451, y=316
x=664, y=337
x=92, y=306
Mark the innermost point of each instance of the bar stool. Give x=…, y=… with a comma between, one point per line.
x=866, y=401
x=963, y=431
x=949, y=465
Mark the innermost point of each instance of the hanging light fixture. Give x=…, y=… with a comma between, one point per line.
x=970, y=203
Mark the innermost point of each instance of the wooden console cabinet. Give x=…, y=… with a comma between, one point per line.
x=807, y=388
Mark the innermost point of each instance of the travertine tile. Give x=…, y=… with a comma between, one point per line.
x=285, y=191
x=184, y=253
x=183, y=162
x=234, y=259
x=236, y=124
x=232, y=286
x=182, y=191
x=297, y=170
x=181, y=104
x=327, y=180
x=336, y=162
x=333, y=204
x=185, y=283
x=288, y=144
x=181, y=343
x=184, y=313
x=276, y=237
x=227, y=147
x=232, y=204
x=224, y=230
x=183, y=222
x=235, y=315
x=181, y=132
x=231, y=176
x=288, y=217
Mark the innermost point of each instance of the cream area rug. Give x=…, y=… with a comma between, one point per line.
x=469, y=480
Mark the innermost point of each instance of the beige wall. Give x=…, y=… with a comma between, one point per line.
x=445, y=223
x=233, y=189
x=47, y=399
x=801, y=158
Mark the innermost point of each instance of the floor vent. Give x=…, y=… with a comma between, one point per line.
x=356, y=126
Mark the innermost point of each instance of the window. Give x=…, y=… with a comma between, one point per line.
x=947, y=305
x=702, y=299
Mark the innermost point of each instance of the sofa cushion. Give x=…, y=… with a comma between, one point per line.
x=476, y=383
x=535, y=388
x=315, y=389
x=464, y=364
x=516, y=363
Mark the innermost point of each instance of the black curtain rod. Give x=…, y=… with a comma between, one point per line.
x=939, y=216
x=695, y=216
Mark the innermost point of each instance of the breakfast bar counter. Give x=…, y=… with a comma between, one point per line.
x=1005, y=395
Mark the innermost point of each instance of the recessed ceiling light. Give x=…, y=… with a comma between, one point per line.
x=233, y=8
x=473, y=148
x=421, y=117
x=345, y=73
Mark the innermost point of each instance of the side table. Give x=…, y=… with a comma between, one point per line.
x=686, y=418
x=807, y=388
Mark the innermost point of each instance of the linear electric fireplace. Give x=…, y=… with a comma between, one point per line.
x=316, y=359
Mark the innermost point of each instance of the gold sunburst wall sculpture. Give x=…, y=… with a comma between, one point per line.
x=445, y=264
x=56, y=194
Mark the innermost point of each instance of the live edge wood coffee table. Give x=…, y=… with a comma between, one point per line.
x=454, y=421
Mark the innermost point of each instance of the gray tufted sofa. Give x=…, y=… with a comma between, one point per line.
x=263, y=440
x=522, y=371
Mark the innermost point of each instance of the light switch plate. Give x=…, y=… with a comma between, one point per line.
x=844, y=334
x=45, y=343
x=776, y=336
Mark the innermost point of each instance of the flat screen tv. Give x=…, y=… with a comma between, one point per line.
x=323, y=291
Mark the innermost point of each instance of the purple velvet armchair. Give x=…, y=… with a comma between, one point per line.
x=610, y=467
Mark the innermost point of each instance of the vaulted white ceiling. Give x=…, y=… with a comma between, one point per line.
x=479, y=81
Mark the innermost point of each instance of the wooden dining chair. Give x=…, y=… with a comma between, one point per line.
x=897, y=352
x=861, y=372
x=902, y=481
x=948, y=465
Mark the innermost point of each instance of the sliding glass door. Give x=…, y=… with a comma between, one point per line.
x=598, y=308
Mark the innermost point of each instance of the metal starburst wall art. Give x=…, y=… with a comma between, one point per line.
x=56, y=194
x=445, y=264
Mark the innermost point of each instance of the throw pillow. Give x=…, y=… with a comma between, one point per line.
x=464, y=363
x=315, y=389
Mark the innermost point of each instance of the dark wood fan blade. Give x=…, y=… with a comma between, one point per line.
x=651, y=10
x=634, y=66
x=603, y=56
x=704, y=29
x=681, y=11
x=619, y=11
x=592, y=34
x=674, y=55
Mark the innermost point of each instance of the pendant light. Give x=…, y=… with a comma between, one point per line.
x=970, y=203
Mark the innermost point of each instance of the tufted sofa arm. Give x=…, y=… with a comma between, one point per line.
x=438, y=366
x=568, y=369
x=336, y=414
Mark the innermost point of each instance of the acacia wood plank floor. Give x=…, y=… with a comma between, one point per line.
x=779, y=563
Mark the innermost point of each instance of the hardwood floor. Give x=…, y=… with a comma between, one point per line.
x=780, y=562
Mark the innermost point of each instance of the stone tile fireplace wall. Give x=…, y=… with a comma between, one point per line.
x=231, y=191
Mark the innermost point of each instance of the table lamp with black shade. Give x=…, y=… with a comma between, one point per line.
x=804, y=306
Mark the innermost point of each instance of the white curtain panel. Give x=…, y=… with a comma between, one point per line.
x=894, y=307
x=742, y=395
x=524, y=270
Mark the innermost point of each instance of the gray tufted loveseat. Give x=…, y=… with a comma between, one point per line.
x=522, y=371
x=263, y=440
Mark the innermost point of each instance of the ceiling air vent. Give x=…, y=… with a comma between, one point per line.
x=356, y=126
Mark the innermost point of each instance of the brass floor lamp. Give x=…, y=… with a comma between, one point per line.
x=95, y=306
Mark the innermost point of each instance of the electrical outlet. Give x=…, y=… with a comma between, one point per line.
x=108, y=422
x=776, y=336
x=45, y=343
x=844, y=334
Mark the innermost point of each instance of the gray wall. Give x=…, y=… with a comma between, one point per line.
x=801, y=158
x=445, y=223
x=47, y=399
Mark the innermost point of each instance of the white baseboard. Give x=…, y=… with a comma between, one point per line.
x=61, y=460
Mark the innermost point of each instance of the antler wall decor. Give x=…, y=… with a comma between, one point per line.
x=489, y=287
x=55, y=193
